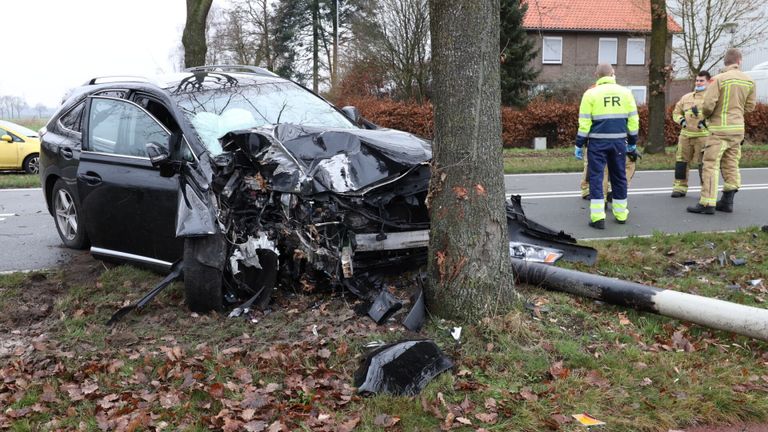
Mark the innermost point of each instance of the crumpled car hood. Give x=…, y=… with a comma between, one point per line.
x=345, y=160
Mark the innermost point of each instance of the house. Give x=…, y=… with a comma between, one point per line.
x=573, y=36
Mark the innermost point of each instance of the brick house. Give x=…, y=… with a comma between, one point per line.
x=573, y=36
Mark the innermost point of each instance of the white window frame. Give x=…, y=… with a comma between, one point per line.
x=543, y=43
x=642, y=62
x=645, y=94
x=600, y=48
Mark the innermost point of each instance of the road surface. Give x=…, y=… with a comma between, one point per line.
x=28, y=238
x=555, y=200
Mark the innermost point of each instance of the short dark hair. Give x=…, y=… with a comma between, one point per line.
x=704, y=74
x=732, y=56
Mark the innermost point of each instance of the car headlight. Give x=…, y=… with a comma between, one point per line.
x=529, y=252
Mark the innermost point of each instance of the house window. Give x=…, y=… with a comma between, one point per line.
x=606, y=52
x=552, y=50
x=635, y=51
x=639, y=92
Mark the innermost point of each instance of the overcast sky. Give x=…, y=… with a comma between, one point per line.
x=50, y=46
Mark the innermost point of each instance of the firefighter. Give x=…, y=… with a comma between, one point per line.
x=728, y=97
x=693, y=134
x=631, y=168
x=608, y=119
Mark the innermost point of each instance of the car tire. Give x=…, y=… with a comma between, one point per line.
x=67, y=216
x=31, y=164
x=202, y=283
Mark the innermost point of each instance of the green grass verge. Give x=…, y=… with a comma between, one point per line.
x=526, y=371
x=13, y=181
x=520, y=161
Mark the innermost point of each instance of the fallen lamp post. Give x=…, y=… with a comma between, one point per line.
x=717, y=314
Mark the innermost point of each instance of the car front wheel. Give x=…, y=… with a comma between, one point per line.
x=31, y=164
x=202, y=282
x=67, y=217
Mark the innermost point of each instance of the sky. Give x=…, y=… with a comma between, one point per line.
x=51, y=46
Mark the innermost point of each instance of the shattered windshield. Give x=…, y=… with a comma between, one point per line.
x=215, y=112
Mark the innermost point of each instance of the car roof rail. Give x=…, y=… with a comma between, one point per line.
x=116, y=78
x=232, y=68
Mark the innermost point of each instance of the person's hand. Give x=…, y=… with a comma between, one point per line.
x=631, y=148
x=578, y=152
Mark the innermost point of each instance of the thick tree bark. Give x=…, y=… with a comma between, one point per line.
x=335, y=19
x=469, y=269
x=657, y=77
x=193, y=38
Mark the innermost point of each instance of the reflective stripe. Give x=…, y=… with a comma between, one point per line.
x=633, y=133
x=687, y=133
x=586, y=116
x=609, y=116
x=582, y=134
x=607, y=135
x=633, y=113
x=728, y=127
x=596, y=210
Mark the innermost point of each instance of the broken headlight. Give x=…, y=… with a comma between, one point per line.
x=529, y=252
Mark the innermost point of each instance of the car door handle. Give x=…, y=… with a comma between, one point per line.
x=66, y=152
x=91, y=178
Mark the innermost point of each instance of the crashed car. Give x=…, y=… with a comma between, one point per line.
x=246, y=178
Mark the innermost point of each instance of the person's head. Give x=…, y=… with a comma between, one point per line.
x=732, y=57
x=702, y=80
x=603, y=70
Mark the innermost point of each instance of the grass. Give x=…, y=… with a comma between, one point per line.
x=574, y=355
x=10, y=180
x=520, y=161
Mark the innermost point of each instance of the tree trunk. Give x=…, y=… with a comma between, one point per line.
x=193, y=38
x=657, y=77
x=334, y=65
x=315, y=44
x=469, y=269
x=265, y=39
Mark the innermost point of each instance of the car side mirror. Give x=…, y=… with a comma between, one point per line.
x=6, y=138
x=353, y=113
x=158, y=155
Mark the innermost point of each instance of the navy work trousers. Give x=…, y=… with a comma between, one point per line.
x=610, y=153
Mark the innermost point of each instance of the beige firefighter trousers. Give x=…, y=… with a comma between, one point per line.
x=689, y=151
x=721, y=153
x=630, y=171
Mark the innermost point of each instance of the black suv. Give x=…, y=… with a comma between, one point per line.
x=245, y=176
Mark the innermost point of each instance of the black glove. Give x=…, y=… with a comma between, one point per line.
x=682, y=122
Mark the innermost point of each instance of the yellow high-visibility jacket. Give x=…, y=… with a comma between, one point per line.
x=683, y=109
x=608, y=112
x=729, y=96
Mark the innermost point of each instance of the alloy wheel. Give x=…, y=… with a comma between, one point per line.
x=66, y=214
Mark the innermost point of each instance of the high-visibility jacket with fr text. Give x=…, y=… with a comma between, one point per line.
x=729, y=96
x=684, y=109
x=608, y=111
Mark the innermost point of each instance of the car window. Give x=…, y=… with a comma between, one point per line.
x=120, y=127
x=214, y=112
x=13, y=136
x=73, y=120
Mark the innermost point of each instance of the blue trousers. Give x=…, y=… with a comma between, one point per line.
x=610, y=153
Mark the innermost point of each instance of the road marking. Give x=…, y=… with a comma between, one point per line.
x=22, y=190
x=635, y=191
x=651, y=235
x=642, y=172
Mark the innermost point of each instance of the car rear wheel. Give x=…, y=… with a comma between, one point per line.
x=67, y=217
x=202, y=283
x=31, y=164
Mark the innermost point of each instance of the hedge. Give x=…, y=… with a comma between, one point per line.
x=556, y=121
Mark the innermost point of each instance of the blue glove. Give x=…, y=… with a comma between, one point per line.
x=578, y=152
x=631, y=148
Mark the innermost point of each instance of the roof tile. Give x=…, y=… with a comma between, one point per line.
x=592, y=15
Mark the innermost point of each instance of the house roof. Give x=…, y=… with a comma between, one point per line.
x=592, y=15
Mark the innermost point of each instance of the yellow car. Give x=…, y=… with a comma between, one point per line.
x=19, y=148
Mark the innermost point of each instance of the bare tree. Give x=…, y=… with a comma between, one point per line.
x=658, y=75
x=405, y=45
x=712, y=26
x=40, y=109
x=469, y=269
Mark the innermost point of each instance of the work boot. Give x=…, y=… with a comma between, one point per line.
x=676, y=194
x=702, y=209
x=585, y=197
x=599, y=224
x=725, y=204
x=609, y=197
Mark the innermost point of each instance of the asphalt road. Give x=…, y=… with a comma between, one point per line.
x=28, y=238
x=555, y=200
